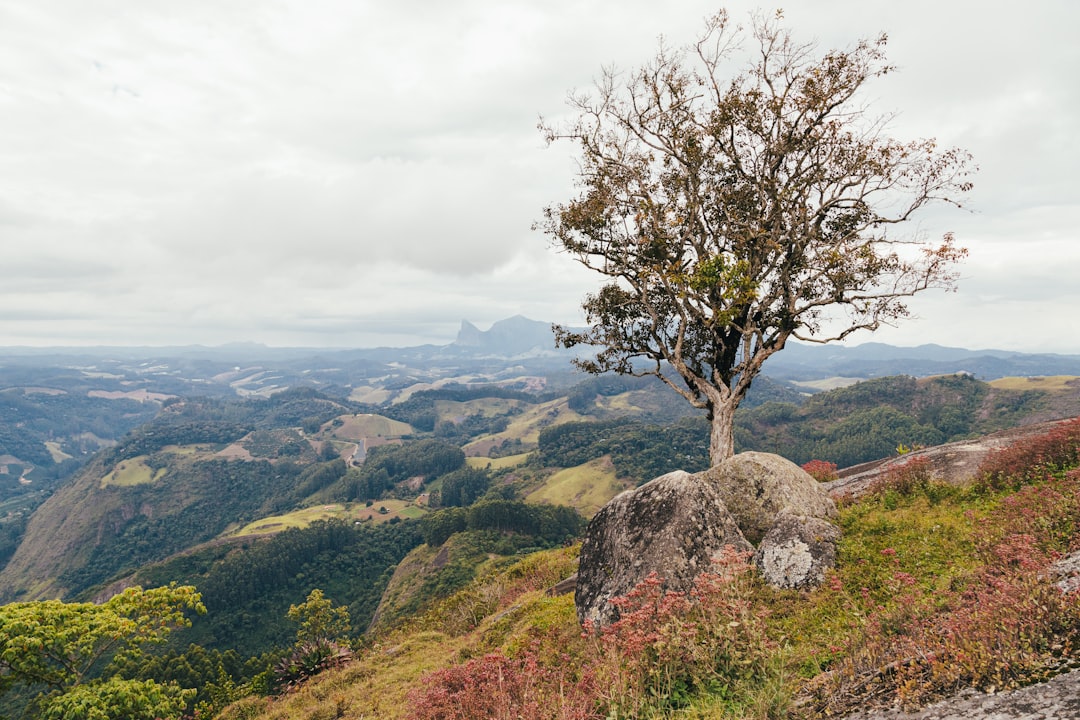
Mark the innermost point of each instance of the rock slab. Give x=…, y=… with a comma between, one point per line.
x=1057, y=699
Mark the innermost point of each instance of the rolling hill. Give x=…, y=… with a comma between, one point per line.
x=259, y=497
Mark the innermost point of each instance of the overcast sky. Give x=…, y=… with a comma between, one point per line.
x=358, y=173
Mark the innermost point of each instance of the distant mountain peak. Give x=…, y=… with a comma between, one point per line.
x=469, y=335
x=511, y=336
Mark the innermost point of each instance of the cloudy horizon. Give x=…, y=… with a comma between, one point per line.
x=353, y=174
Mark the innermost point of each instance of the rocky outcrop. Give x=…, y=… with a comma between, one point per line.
x=955, y=463
x=757, y=487
x=1057, y=699
x=675, y=525
x=797, y=551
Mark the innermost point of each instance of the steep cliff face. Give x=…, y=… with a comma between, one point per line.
x=469, y=335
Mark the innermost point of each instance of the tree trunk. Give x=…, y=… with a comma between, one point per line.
x=721, y=432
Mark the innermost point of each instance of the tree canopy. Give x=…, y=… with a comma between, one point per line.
x=55, y=645
x=320, y=620
x=732, y=207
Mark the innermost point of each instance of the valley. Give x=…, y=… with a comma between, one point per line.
x=395, y=479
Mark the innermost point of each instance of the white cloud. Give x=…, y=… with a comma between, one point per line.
x=336, y=173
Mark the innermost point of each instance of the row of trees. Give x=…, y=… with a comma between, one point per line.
x=547, y=524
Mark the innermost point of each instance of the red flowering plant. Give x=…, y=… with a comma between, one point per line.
x=665, y=649
x=1001, y=624
x=668, y=647
x=1032, y=459
x=821, y=470
x=909, y=477
x=504, y=688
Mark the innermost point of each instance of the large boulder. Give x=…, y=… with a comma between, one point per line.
x=757, y=487
x=674, y=526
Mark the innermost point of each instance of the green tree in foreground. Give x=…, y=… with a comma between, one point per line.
x=58, y=646
x=321, y=643
x=320, y=620
x=731, y=210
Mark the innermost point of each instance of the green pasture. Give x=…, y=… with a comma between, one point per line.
x=497, y=463
x=357, y=427
x=57, y=454
x=585, y=487
x=356, y=512
x=133, y=471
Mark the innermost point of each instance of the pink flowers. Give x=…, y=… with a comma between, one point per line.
x=664, y=647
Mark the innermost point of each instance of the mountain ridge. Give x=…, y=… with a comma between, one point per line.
x=520, y=337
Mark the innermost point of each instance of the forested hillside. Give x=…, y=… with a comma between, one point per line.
x=850, y=425
x=871, y=419
x=167, y=486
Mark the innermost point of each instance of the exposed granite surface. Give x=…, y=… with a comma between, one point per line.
x=955, y=462
x=1057, y=699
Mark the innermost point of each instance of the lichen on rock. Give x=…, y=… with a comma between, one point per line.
x=797, y=551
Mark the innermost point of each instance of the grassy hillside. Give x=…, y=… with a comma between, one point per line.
x=584, y=487
x=362, y=426
x=939, y=587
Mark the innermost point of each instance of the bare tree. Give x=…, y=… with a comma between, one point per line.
x=730, y=215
